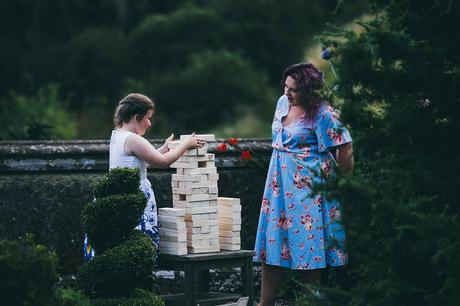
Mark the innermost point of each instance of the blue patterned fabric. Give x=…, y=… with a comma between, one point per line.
x=296, y=229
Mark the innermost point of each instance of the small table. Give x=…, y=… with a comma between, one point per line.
x=196, y=268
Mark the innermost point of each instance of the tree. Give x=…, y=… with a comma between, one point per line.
x=399, y=83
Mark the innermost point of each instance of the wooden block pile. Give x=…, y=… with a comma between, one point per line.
x=194, y=189
x=172, y=229
x=229, y=212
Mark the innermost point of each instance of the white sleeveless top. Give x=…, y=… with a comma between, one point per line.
x=119, y=158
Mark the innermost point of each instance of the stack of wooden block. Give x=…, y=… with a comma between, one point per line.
x=229, y=212
x=171, y=227
x=194, y=189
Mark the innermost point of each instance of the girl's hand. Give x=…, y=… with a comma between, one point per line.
x=194, y=143
x=168, y=140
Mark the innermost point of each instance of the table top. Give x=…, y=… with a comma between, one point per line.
x=207, y=256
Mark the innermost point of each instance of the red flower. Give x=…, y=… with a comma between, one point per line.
x=233, y=141
x=221, y=147
x=246, y=155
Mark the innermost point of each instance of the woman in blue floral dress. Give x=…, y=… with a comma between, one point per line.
x=297, y=229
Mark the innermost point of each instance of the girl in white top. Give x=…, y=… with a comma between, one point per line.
x=129, y=149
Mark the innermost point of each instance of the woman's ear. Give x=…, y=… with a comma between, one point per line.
x=137, y=117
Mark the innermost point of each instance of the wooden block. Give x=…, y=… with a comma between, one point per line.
x=190, y=191
x=229, y=221
x=229, y=227
x=174, y=184
x=182, y=237
x=184, y=165
x=205, y=137
x=230, y=247
x=213, y=177
x=195, y=250
x=230, y=208
x=203, y=150
x=205, y=157
x=230, y=215
x=198, y=223
x=197, y=217
x=168, y=211
x=228, y=201
x=169, y=232
x=171, y=244
x=200, y=171
x=201, y=210
x=185, y=178
x=229, y=234
x=213, y=189
x=176, y=225
x=170, y=219
x=197, y=236
x=190, y=152
x=214, y=242
x=230, y=240
x=214, y=228
x=174, y=251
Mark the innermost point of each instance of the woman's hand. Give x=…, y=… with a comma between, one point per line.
x=345, y=158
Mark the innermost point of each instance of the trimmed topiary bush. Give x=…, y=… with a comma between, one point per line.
x=120, y=270
x=118, y=181
x=28, y=272
x=109, y=220
x=125, y=257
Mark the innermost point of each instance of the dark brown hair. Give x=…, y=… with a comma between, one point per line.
x=130, y=106
x=309, y=80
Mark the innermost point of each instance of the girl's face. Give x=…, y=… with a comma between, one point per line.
x=144, y=124
x=291, y=90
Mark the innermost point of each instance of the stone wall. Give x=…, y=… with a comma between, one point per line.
x=44, y=186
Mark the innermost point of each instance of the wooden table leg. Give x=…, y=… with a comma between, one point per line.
x=248, y=281
x=190, y=285
x=203, y=280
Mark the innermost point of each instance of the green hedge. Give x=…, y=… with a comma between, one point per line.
x=28, y=273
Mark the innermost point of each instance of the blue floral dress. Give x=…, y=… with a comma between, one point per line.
x=299, y=230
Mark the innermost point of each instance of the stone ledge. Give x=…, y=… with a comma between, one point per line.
x=92, y=155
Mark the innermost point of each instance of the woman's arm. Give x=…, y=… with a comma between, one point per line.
x=345, y=158
x=140, y=147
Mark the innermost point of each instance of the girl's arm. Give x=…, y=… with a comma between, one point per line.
x=345, y=158
x=140, y=147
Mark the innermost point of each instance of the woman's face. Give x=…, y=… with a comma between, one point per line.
x=144, y=124
x=291, y=90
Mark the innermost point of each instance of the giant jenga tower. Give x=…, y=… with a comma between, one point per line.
x=194, y=189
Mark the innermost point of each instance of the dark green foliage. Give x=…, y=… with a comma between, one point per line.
x=28, y=273
x=109, y=220
x=139, y=298
x=97, y=52
x=70, y=297
x=120, y=270
x=118, y=181
x=399, y=81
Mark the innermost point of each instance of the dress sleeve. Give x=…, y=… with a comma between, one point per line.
x=329, y=130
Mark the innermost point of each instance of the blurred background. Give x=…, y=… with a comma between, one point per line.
x=211, y=66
